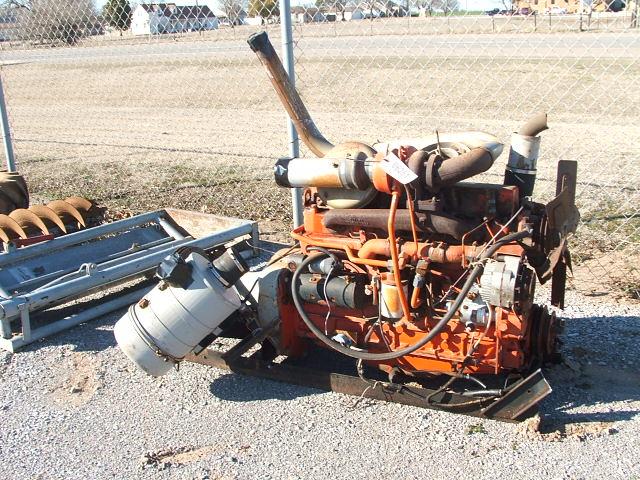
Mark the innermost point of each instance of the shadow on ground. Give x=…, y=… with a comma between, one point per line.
x=241, y=388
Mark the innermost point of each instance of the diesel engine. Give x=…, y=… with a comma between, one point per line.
x=403, y=261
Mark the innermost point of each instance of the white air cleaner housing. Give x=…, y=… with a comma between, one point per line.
x=192, y=301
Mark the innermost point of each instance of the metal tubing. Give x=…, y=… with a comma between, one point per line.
x=163, y=242
x=170, y=229
x=6, y=132
x=20, y=341
x=81, y=236
x=289, y=97
x=377, y=218
x=322, y=172
x=535, y=125
x=456, y=169
x=117, y=273
x=66, y=276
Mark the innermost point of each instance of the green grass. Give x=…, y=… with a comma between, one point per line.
x=476, y=428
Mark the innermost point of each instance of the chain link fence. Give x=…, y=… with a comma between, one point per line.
x=141, y=106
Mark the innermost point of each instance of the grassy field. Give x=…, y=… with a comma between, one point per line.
x=199, y=127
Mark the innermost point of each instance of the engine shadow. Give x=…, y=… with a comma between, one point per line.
x=242, y=388
x=598, y=373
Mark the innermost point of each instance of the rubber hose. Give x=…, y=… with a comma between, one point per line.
x=380, y=357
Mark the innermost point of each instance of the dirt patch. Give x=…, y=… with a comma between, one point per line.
x=536, y=428
x=77, y=379
x=167, y=457
x=620, y=269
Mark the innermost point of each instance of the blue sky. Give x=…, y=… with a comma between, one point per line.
x=468, y=4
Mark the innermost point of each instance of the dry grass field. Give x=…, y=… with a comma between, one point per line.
x=192, y=122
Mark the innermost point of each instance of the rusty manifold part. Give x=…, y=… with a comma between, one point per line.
x=332, y=194
x=39, y=219
x=523, y=155
x=438, y=253
x=439, y=223
x=359, y=173
x=446, y=172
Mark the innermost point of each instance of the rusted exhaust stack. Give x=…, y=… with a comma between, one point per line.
x=523, y=155
x=306, y=128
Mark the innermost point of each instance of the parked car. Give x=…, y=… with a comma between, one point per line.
x=492, y=12
x=556, y=11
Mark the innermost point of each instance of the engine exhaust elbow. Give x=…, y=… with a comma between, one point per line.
x=523, y=155
x=289, y=96
x=534, y=126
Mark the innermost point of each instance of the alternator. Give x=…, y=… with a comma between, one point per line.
x=498, y=282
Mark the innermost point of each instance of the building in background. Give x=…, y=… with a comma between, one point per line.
x=546, y=6
x=567, y=6
x=157, y=18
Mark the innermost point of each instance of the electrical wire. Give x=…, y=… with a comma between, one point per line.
x=326, y=297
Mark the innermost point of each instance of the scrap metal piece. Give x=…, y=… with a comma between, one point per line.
x=29, y=221
x=37, y=277
x=559, y=279
x=9, y=229
x=66, y=211
x=561, y=220
x=562, y=214
x=520, y=398
x=13, y=192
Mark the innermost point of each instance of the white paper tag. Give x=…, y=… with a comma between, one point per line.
x=394, y=167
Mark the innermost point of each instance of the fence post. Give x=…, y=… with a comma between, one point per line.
x=6, y=132
x=288, y=61
x=581, y=27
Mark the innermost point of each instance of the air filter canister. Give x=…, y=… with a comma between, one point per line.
x=192, y=301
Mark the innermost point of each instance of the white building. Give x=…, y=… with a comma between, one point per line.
x=307, y=15
x=234, y=16
x=156, y=18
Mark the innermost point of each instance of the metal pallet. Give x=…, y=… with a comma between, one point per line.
x=519, y=402
x=36, y=278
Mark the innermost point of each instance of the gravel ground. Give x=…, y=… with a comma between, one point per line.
x=73, y=406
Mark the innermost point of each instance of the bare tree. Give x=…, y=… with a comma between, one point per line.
x=449, y=6
x=427, y=5
x=446, y=6
x=508, y=5
x=233, y=10
x=55, y=20
x=338, y=5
